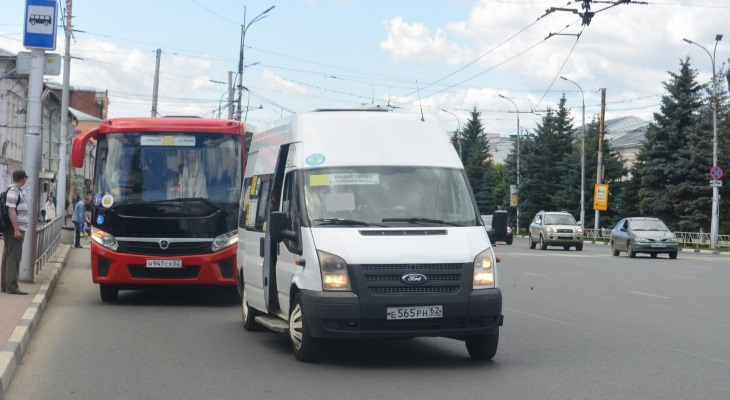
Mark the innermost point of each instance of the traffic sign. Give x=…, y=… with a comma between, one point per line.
x=40, y=24
x=714, y=183
x=716, y=173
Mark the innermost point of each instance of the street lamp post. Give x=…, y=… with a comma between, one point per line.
x=582, y=159
x=517, y=205
x=244, y=28
x=715, y=224
x=458, y=129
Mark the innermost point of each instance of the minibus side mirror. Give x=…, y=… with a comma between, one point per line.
x=277, y=227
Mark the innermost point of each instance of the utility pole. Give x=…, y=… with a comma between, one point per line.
x=61, y=188
x=517, y=206
x=599, y=170
x=244, y=28
x=156, y=85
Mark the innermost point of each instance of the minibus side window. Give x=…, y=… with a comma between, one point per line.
x=244, y=202
x=289, y=205
x=263, y=202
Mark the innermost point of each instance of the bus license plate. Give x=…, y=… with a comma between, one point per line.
x=164, y=263
x=415, y=312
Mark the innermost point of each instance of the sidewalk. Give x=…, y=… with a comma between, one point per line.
x=20, y=315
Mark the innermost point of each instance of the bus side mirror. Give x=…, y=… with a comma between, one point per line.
x=277, y=227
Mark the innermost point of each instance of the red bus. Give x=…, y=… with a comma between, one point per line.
x=164, y=201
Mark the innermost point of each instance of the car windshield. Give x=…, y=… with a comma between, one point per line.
x=647, y=225
x=558, y=219
x=388, y=196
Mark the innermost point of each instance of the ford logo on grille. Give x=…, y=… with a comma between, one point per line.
x=414, y=279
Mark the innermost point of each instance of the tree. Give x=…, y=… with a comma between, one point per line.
x=663, y=156
x=477, y=162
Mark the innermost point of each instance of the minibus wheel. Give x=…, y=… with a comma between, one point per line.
x=306, y=348
x=109, y=293
x=482, y=347
x=249, y=314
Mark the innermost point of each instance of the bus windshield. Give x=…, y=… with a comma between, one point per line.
x=388, y=196
x=157, y=167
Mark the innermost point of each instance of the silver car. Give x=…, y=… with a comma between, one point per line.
x=555, y=228
x=643, y=235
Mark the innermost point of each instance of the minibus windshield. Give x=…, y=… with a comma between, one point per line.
x=388, y=196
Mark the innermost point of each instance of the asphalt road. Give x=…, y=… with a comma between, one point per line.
x=578, y=325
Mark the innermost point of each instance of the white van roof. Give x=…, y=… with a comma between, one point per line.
x=345, y=138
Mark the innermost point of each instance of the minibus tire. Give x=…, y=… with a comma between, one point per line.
x=306, y=348
x=109, y=293
x=248, y=315
x=482, y=347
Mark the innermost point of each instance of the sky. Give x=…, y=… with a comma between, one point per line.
x=412, y=55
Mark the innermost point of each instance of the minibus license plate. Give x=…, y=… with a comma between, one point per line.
x=164, y=263
x=415, y=312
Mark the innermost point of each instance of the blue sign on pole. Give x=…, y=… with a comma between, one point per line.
x=40, y=24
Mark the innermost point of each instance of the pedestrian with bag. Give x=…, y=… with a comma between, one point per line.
x=78, y=220
x=50, y=209
x=17, y=206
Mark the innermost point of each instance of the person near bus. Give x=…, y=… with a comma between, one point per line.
x=17, y=205
x=126, y=179
x=50, y=209
x=78, y=219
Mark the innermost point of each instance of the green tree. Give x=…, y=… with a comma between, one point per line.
x=477, y=162
x=662, y=158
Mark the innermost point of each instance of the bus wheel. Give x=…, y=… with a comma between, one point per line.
x=249, y=314
x=109, y=293
x=306, y=348
x=482, y=347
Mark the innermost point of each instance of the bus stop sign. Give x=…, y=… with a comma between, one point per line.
x=716, y=173
x=40, y=24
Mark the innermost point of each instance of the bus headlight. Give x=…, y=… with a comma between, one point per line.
x=334, y=272
x=484, y=270
x=224, y=240
x=104, y=239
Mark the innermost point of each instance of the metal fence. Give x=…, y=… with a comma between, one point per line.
x=49, y=236
x=686, y=239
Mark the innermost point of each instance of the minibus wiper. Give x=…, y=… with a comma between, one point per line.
x=416, y=220
x=341, y=221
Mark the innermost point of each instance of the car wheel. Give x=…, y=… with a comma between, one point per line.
x=109, y=293
x=566, y=247
x=482, y=347
x=509, y=240
x=248, y=314
x=543, y=246
x=673, y=255
x=632, y=252
x=613, y=249
x=531, y=242
x=306, y=348
x=579, y=246
x=653, y=255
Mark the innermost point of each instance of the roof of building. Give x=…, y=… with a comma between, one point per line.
x=82, y=116
x=6, y=54
x=626, y=131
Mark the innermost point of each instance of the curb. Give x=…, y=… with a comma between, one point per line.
x=12, y=351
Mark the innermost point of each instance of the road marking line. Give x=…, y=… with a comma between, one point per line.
x=647, y=294
x=544, y=276
x=604, y=332
x=685, y=277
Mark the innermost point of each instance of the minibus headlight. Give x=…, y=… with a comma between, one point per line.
x=334, y=272
x=104, y=239
x=224, y=240
x=484, y=270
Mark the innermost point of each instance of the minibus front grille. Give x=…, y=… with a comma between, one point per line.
x=173, y=248
x=404, y=232
x=411, y=267
x=413, y=289
x=397, y=278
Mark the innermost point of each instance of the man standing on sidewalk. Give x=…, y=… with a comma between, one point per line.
x=18, y=211
x=78, y=219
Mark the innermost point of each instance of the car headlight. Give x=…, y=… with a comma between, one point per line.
x=334, y=272
x=551, y=230
x=509, y=230
x=579, y=230
x=641, y=239
x=484, y=270
x=224, y=240
x=673, y=240
x=104, y=239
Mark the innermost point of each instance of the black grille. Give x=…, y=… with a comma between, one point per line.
x=565, y=231
x=397, y=278
x=411, y=267
x=425, y=232
x=413, y=290
x=188, y=272
x=173, y=249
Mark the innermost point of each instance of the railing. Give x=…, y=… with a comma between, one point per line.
x=49, y=236
x=685, y=239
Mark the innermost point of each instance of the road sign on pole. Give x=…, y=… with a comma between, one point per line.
x=716, y=173
x=40, y=24
x=715, y=183
x=600, y=197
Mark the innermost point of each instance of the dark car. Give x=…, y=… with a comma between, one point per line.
x=643, y=235
x=498, y=228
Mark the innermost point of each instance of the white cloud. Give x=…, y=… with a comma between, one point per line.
x=414, y=42
x=276, y=82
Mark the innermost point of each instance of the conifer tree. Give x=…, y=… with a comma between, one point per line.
x=477, y=162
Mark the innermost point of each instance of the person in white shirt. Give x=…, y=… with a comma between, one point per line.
x=193, y=182
x=50, y=209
